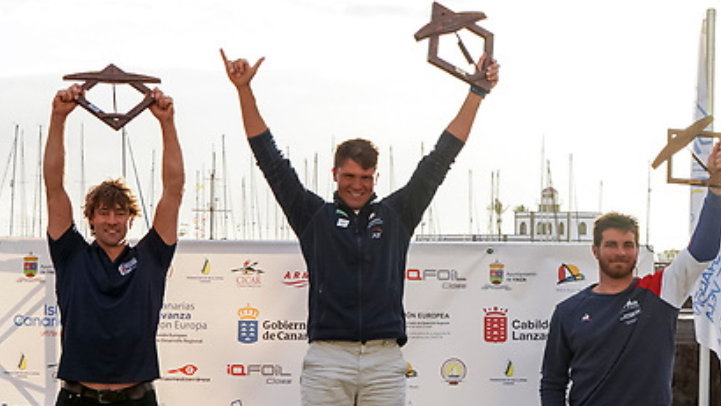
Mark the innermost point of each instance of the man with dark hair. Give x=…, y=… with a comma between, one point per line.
x=615, y=339
x=109, y=293
x=360, y=150
x=111, y=193
x=615, y=220
x=355, y=250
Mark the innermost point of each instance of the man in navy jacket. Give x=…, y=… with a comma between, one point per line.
x=355, y=249
x=615, y=339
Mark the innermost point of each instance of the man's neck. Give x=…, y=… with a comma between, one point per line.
x=611, y=286
x=113, y=251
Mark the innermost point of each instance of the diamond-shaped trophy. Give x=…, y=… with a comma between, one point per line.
x=445, y=21
x=113, y=74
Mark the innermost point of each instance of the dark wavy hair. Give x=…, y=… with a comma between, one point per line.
x=361, y=151
x=111, y=193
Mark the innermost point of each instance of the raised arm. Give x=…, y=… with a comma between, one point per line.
x=706, y=238
x=165, y=221
x=460, y=126
x=240, y=73
x=60, y=213
x=681, y=275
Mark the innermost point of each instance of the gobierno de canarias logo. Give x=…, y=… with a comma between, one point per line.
x=248, y=324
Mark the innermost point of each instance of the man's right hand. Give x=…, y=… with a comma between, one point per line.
x=239, y=71
x=66, y=100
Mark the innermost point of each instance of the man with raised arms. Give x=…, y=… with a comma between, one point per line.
x=110, y=293
x=355, y=249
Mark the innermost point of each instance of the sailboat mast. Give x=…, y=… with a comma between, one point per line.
x=211, y=206
x=37, y=205
x=12, y=179
x=470, y=201
x=82, y=169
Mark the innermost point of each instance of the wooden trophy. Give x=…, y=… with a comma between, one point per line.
x=113, y=74
x=445, y=21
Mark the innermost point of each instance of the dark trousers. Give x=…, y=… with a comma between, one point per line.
x=66, y=398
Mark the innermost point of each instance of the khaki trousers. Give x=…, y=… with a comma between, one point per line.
x=346, y=373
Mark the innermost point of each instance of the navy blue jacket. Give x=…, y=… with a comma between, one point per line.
x=356, y=262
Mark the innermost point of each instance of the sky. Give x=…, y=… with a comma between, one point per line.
x=589, y=87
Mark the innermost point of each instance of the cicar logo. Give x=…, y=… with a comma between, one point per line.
x=248, y=324
x=453, y=371
x=495, y=325
x=569, y=273
x=297, y=279
x=450, y=278
x=249, y=274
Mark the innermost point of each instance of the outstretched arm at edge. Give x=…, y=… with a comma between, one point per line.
x=681, y=275
x=706, y=239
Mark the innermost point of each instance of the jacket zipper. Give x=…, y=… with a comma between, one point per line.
x=359, y=247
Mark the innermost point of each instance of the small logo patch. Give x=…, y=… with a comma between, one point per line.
x=630, y=312
x=127, y=267
x=342, y=223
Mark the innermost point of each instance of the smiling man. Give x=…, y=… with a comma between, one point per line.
x=615, y=340
x=109, y=293
x=355, y=249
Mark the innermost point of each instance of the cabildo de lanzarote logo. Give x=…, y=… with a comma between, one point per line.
x=497, y=329
x=495, y=325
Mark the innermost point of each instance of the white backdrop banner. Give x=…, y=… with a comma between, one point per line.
x=232, y=328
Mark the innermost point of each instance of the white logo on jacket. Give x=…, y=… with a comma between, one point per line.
x=630, y=312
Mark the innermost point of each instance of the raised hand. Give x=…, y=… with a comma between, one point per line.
x=162, y=109
x=65, y=100
x=239, y=71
